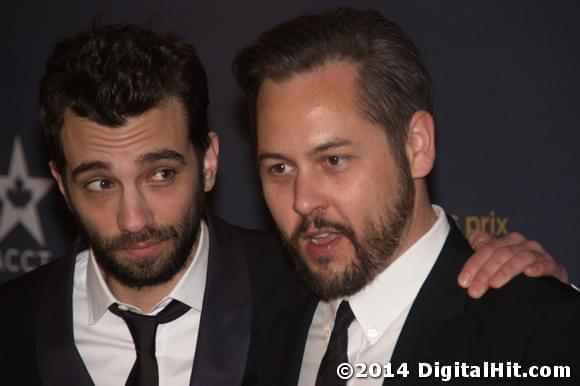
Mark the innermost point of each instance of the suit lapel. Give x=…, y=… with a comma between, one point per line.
x=287, y=340
x=55, y=345
x=223, y=337
x=439, y=301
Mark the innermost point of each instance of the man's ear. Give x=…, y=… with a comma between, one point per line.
x=59, y=178
x=210, y=162
x=420, y=145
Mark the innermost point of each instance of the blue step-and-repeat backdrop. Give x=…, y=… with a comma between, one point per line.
x=507, y=87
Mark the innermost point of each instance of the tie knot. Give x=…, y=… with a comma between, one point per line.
x=344, y=316
x=171, y=312
x=143, y=327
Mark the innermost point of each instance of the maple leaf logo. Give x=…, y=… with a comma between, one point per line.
x=18, y=195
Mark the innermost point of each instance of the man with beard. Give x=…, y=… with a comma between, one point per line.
x=157, y=291
x=342, y=110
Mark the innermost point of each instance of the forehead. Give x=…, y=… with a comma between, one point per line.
x=164, y=126
x=311, y=108
x=334, y=82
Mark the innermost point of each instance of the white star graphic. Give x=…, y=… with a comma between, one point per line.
x=20, y=193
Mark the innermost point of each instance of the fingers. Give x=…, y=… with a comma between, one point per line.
x=477, y=238
x=497, y=261
x=512, y=260
x=548, y=267
x=495, y=268
x=485, y=246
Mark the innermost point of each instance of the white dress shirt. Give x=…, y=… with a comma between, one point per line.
x=380, y=309
x=103, y=339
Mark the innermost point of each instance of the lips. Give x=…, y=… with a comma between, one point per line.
x=142, y=250
x=321, y=242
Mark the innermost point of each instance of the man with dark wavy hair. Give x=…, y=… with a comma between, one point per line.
x=342, y=110
x=157, y=291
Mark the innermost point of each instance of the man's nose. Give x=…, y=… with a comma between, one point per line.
x=309, y=194
x=134, y=214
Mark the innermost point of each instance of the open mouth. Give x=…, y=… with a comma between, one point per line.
x=322, y=238
x=321, y=242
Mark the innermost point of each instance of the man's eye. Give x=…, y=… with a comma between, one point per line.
x=279, y=169
x=99, y=185
x=163, y=175
x=335, y=160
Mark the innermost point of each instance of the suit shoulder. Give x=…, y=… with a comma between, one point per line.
x=268, y=266
x=263, y=250
x=539, y=292
x=268, y=263
x=20, y=300
x=526, y=304
x=262, y=244
x=30, y=285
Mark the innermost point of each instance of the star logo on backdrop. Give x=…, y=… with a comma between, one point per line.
x=19, y=194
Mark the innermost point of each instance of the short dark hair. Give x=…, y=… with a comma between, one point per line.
x=118, y=71
x=393, y=83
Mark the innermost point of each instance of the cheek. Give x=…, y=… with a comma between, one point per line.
x=101, y=221
x=280, y=203
x=169, y=208
x=356, y=198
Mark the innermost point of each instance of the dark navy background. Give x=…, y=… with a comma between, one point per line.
x=507, y=88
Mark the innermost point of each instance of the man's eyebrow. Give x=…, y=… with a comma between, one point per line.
x=318, y=149
x=265, y=156
x=88, y=166
x=329, y=145
x=163, y=154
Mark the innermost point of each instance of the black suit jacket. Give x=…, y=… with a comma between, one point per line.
x=529, y=321
x=36, y=323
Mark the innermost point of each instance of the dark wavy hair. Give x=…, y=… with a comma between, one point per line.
x=392, y=81
x=118, y=71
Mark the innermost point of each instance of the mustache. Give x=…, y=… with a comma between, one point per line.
x=320, y=222
x=150, y=233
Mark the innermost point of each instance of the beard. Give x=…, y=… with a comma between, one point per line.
x=373, y=250
x=151, y=270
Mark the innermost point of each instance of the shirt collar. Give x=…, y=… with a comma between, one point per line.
x=188, y=290
x=393, y=291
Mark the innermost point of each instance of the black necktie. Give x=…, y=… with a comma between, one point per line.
x=143, y=329
x=336, y=351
